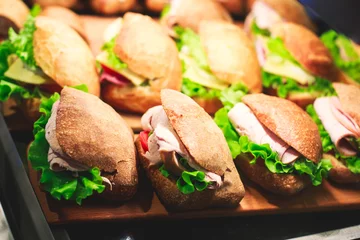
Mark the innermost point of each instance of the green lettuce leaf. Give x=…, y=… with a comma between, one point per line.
x=59, y=184
x=165, y=11
x=22, y=42
x=6, y=49
x=193, y=89
x=113, y=60
x=233, y=94
x=353, y=163
x=188, y=38
x=258, y=31
x=242, y=145
x=191, y=181
x=285, y=86
x=276, y=47
x=163, y=171
x=334, y=41
x=9, y=89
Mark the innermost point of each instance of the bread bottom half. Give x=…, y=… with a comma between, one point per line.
x=299, y=98
x=340, y=173
x=228, y=195
x=283, y=184
x=211, y=106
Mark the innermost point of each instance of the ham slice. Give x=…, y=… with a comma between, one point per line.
x=112, y=76
x=246, y=123
x=260, y=50
x=264, y=15
x=339, y=125
x=165, y=146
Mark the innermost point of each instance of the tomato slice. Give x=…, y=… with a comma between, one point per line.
x=144, y=136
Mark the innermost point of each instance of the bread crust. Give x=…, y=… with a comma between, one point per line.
x=211, y=106
x=66, y=16
x=62, y=3
x=130, y=99
x=197, y=131
x=291, y=11
x=289, y=122
x=340, y=173
x=228, y=195
x=109, y=7
x=63, y=55
x=30, y=108
x=283, y=184
x=349, y=96
x=156, y=5
x=231, y=54
x=306, y=48
x=92, y=133
x=189, y=15
x=236, y=7
x=144, y=46
x=13, y=13
x=343, y=77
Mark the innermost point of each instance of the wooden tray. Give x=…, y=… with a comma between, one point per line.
x=146, y=205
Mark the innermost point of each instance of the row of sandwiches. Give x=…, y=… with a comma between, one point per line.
x=176, y=73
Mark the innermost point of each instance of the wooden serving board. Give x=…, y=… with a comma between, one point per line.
x=146, y=205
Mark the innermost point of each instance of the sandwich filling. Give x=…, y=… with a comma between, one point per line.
x=339, y=132
x=20, y=77
x=113, y=69
x=247, y=137
x=163, y=148
x=281, y=71
x=62, y=177
x=263, y=16
x=344, y=53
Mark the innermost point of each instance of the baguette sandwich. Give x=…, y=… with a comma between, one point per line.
x=137, y=62
x=295, y=64
x=13, y=14
x=338, y=120
x=110, y=7
x=274, y=143
x=346, y=55
x=267, y=13
x=45, y=56
x=186, y=157
x=83, y=146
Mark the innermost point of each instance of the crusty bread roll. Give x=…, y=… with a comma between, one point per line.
x=211, y=106
x=109, y=7
x=92, y=133
x=289, y=122
x=62, y=3
x=63, y=55
x=283, y=184
x=343, y=77
x=231, y=54
x=66, y=16
x=236, y=7
x=149, y=52
x=189, y=15
x=307, y=49
x=13, y=13
x=206, y=144
x=156, y=5
x=340, y=173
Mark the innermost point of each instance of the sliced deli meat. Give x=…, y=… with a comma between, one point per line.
x=264, y=15
x=246, y=123
x=337, y=123
x=164, y=146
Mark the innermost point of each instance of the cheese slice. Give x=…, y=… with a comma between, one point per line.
x=198, y=75
x=279, y=66
x=136, y=79
x=19, y=72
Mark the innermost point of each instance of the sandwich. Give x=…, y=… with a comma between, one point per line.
x=109, y=7
x=265, y=14
x=136, y=63
x=61, y=3
x=338, y=120
x=156, y=5
x=274, y=143
x=13, y=14
x=83, y=147
x=346, y=55
x=295, y=63
x=219, y=63
x=185, y=156
x=66, y=16
x=186, y=14
x=43, y=57
x=236, y=7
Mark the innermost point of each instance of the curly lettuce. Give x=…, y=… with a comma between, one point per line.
x=242, y=145
x=165, y=11
x=114, y=61
x=337, y=43
x=284, y=86
x=353, y=163
x=193, y=89
x=233, y=94
x=60, y=185
x=255, y=29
